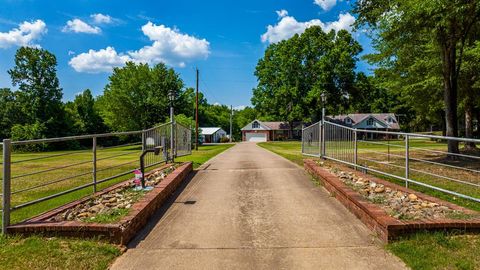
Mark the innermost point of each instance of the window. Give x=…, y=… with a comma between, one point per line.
x=255, y=125
x=348, y=120
x=390, y=120
x=370, y=122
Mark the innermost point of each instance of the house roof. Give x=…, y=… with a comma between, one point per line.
x=209, y=130
x=360, y=117
x=279, y=125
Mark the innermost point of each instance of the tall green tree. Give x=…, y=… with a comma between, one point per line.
x=9, y=112
x=294, y=72
x=39, y=95
x=136, y=96
x=469, y=87
x=447, y=23
x=85, y=115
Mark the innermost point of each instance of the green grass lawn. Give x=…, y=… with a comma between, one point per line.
x=422, y=250
x=374, y=156
x=55, y=253
x=38, y=252
x=289, y=150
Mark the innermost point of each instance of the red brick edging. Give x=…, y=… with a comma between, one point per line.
x=121, y=232
x=387, y=227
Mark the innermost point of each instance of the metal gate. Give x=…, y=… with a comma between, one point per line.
x=416, y=159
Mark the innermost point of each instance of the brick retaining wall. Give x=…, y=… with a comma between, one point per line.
x=121, y=232
x=387, y=227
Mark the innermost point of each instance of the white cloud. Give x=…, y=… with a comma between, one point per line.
x=79, y=26
x=239, y=107
x=71, y=52
x=24, y=35
x=325, y=4
x=98, y=61
x=345, y=21
x=288, y=26
x=100, y=18
x=282, y=13
x=217, y=104
x=169, y=46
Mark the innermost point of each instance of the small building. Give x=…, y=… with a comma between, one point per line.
x=260, y=131
x=212, y=134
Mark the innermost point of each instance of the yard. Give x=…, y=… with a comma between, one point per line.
x=422, y=250
x=61, y=253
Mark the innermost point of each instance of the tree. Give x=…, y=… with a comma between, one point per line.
x=136, y=96
x=39, y=96
x=414, y=71
x=469, y=86
x=448, y=23
x=85, y=115
x=9, y=112
x=294, y=72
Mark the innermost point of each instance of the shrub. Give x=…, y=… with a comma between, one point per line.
x=224, y=139
x=29, y=132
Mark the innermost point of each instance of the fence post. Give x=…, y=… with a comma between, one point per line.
x=319, y=139
x=324, y=145
x=94, y=161
x=143, y=140
x=355, y=148
x=7, y=153
x=407, y=166
x=163, y=143
x=172, y=140
x=303, y=130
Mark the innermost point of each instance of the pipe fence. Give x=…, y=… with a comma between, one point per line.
x=37, y=171
x=414, y=159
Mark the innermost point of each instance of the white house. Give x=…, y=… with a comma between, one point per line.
x=212, y=134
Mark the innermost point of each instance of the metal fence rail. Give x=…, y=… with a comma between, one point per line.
x=31, y=178
x=419, y=159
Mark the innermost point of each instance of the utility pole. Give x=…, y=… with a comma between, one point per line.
x=196, y=115
x=231, y=117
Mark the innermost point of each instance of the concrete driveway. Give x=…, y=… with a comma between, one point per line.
x=248, y=208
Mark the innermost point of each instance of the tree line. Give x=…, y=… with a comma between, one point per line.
x=135, y=98
x=426, y=68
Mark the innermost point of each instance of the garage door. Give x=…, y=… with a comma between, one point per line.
x=256, y=137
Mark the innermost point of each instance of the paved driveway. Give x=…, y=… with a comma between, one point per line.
x=250, y=209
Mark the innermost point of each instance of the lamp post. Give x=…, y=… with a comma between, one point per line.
x=324, y=101
x=171, y=98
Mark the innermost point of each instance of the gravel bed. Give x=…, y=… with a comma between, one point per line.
x=398, y=204
x=112, y=205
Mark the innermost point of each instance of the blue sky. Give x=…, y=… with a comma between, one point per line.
x=224, y=39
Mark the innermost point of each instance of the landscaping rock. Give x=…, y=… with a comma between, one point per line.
x=120, y=198
x=412, y=197
x=396, y=203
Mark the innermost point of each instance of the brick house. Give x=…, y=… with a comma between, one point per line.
x=260, y=131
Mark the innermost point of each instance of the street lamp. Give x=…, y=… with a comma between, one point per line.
x=171, y=98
